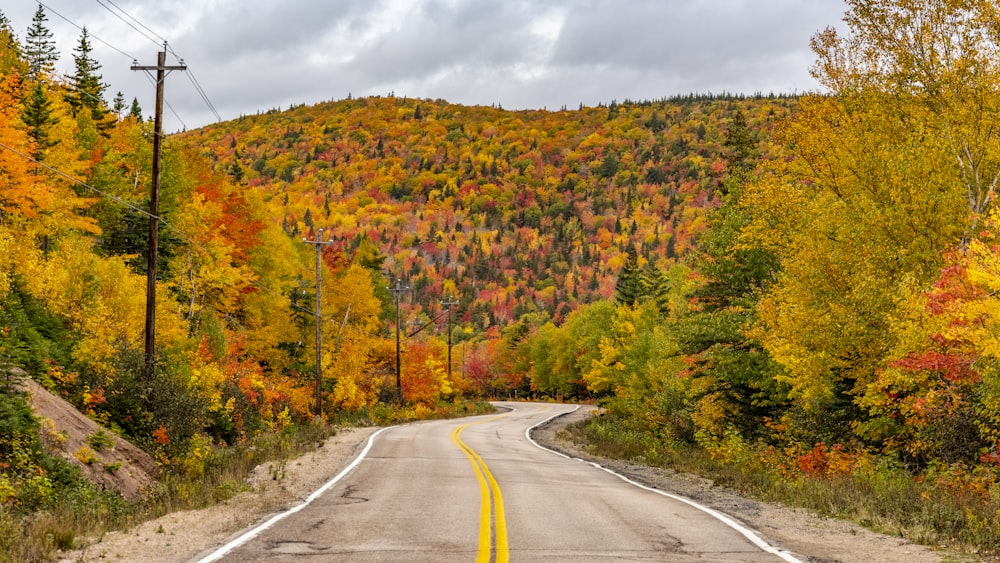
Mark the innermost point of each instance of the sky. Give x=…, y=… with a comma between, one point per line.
x=250, y=56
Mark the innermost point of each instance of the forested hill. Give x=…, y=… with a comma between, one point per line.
x=520, y=210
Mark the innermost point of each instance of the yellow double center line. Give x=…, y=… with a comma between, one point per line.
x=488, y=489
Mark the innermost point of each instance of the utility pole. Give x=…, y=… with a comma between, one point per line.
x=449, y=303
x=154, y=205
x=319, y=318
x=396, y=293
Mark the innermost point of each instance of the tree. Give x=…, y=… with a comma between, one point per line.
x=11, y=55
x=136, y=110
x=628, y=289
x=40, y=47
x=118, y=105
x=938, y=62
x=38, y=117
x=86, y=88
x=740, y=145
x=890, y=169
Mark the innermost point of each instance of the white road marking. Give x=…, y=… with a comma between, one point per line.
x=249, y=535
x=725, y=519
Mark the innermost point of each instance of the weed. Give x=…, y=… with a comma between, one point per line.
x=85, y=454
x=100, y=440
x=883, y=496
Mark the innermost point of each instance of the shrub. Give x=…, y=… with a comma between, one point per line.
x=100, y=440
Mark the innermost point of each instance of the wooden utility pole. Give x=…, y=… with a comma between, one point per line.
x=154, y=206
x=396, y=293
x=319, y=317
x=449, y=303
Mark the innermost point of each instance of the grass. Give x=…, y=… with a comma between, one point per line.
x=85, y=512
x=886, y=499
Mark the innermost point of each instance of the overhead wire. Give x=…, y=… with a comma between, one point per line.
x=149, y=35
x=196, y=84
x=128, y=23
x=89, y=34
x=139, y=23
x=180, y=234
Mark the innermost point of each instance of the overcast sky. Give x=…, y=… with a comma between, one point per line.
x=254, y=55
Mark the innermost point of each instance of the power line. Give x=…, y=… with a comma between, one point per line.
x=102, y=193
x=196, y=84
x=204, y=96
x=159, y=39
x=172, y=110
x=198, y=87
x=89, y=34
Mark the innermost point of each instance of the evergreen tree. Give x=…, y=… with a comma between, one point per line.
x=40, y=47
x=136, y=111
x=655, y=286
x=628, y=290
x=86, y=88
x=37, y=116
x=740, y=145
x=118, y=105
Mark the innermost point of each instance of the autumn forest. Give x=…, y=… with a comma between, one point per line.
x=806, y=285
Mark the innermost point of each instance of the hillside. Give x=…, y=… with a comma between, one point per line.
x=520, y=210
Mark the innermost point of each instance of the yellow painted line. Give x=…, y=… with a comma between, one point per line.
x=487, y=486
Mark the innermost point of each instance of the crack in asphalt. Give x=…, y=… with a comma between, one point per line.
x=349, y=495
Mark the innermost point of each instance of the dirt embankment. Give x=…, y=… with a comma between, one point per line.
x=103, y=457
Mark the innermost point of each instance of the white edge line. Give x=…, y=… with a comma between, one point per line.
x=250, y=534
x=725, y=519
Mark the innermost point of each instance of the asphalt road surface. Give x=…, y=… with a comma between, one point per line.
x=477, y=489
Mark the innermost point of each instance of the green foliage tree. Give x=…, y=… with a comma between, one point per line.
x=39, y=119
x=40, y=47
x=86, y=84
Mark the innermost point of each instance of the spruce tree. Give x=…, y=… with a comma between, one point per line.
x=86, y=88
x=628, y=290
x=118, y=105
x=136, y=111
x=40, y=47
x=37, y=116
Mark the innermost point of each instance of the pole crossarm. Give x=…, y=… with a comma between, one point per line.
x=319, y=243
x=154, y=208
x=448, y=303
x=397, y=292
x=158, y=67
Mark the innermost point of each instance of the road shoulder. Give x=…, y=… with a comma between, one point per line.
x=800, y=531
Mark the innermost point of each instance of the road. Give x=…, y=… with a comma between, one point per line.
x=476, y=489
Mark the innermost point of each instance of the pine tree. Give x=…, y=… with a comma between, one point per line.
x=136, y=111
x=118, y=105
x=628, y=290
x=37, y=116
x=40, y=47
x=86, y=88
x=740, y=145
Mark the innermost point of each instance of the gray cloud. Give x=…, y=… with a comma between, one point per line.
x=253, y=55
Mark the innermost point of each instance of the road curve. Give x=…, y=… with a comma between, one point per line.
x=477, y=489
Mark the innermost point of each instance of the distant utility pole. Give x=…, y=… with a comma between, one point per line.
x=319, y=317
x=154, y=205
x=396, y=293
x=449, y=303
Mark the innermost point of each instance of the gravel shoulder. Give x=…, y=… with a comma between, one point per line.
x=183, y=536
x=809, y=536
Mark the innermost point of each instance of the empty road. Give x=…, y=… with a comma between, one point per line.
x=476, y=489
